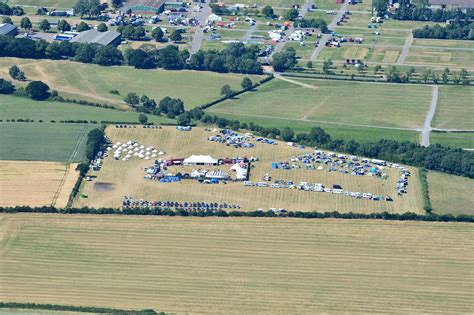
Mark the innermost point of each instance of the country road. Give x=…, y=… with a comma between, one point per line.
x=406, y=48
x=331, y=27
x=199, y=33
x=425, y=132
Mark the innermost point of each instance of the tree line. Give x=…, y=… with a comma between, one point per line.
x=455, y=30
x=81, y=309
x=159, y=211
x=312, y=23
x=234, y=58
x=412, y=12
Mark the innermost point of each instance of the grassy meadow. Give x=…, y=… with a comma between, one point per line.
x=74, y=80
x=12, y=107
x=455, y=109
x=45, y=3
x=339, y=102
x=43, y=141
x=450, y=193
x=126, y=178
x=454, y=139
x=237, y=266
x=36, y=184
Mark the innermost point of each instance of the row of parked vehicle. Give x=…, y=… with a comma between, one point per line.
x=130, y=203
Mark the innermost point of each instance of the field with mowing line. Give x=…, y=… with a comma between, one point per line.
x=455, y=109
x=303, y=52
x=43, y=141
x=388, y=54
x=450, y=193
x=443, y=43
x=388, y=105
x=45, y=3
x=24, y=183
x=126, y=178
x=441, y=57
x=12, y=107
x=194, y=88
x=454, y=139
x=237, y=266
x=344, y=132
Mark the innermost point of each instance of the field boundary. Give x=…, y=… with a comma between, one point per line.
x=79, y=309
x=387, y=216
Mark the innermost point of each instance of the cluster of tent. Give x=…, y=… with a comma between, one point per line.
x=134, y=149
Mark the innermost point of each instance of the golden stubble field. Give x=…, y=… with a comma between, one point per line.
x=127, y=178
x=237, y=265
x=27, y=183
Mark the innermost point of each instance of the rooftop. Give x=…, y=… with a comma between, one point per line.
x=95, y=37
x=459, y=3
x=6, y=28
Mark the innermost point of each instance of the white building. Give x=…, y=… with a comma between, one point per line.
x=200, y=160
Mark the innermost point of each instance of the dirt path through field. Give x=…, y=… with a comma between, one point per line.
x=425, y=132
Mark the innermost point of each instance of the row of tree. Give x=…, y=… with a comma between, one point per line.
x=393, y=74
x=236, y=57
x=95, y=141
x=36, y=90
x=455, y=30
x=5, y=9
x=312, y=23
x=159, y=211
x=409, y=11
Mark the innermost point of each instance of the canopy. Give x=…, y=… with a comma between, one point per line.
x=200, y=160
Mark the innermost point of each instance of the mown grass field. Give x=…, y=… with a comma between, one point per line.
x=12, y=107
x=454, y=139
x=360, y=134
x=74, y=80
x=44, y=3
x=24, y=183
x=126, y=178
x=441, y=57
x=450, y=193
x=325, y=101
x=237, y=266
x=455, y=109
x=43, y=141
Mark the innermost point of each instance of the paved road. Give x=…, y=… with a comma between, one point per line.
x=425, y=132
x=199, y=34
x=406, y=48
x=331, y=27
x=303, y=10
x=249, y=32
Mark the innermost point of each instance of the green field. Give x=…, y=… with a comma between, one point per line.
x=455, y=139
x=455, y=109
x=45, y=3
x=450, y=193
x=43, y=141
x=12, y=107
x=324, y=101
x=441, y=57
x=237, y=266
x=75, y=80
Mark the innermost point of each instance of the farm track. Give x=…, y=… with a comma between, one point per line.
x=231, y=266
x=425, y=132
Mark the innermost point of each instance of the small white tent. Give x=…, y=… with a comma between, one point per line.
x=200, y=160
x=240, y=172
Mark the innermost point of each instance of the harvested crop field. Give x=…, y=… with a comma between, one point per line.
x=128, y=177
x=237, y=266
x=36, y=183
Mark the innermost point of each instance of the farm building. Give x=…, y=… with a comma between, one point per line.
x=200, y=160
x=96, y=37
x=8, y=29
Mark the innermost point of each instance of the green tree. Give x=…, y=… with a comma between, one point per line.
x=226, y=91
x=7, y=19
x=157, y=34
x=83, y=26
x=117, y=3
x=64, y=26
x=291, y=14
x=25, y=23
x=327, y=66
x=85, y=53
x=184, y=119
x=143, y=119
x=102, y=27
x=6, y=87
x=425, y=76
x=132, y=99
x=309, y=64
x=381, y=6
x=268, y=12
x=287, y=134
x=37, y=90
x=108, y=56
x=377, y=68
x=246, y=83
x=176, y=36
x=285, y=60
x=464, y=77
x=16, y=73
x=44, y=25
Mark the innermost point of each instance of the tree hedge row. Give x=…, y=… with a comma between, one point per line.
x=409, y=11
x=407, y=216
x=81, y=309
